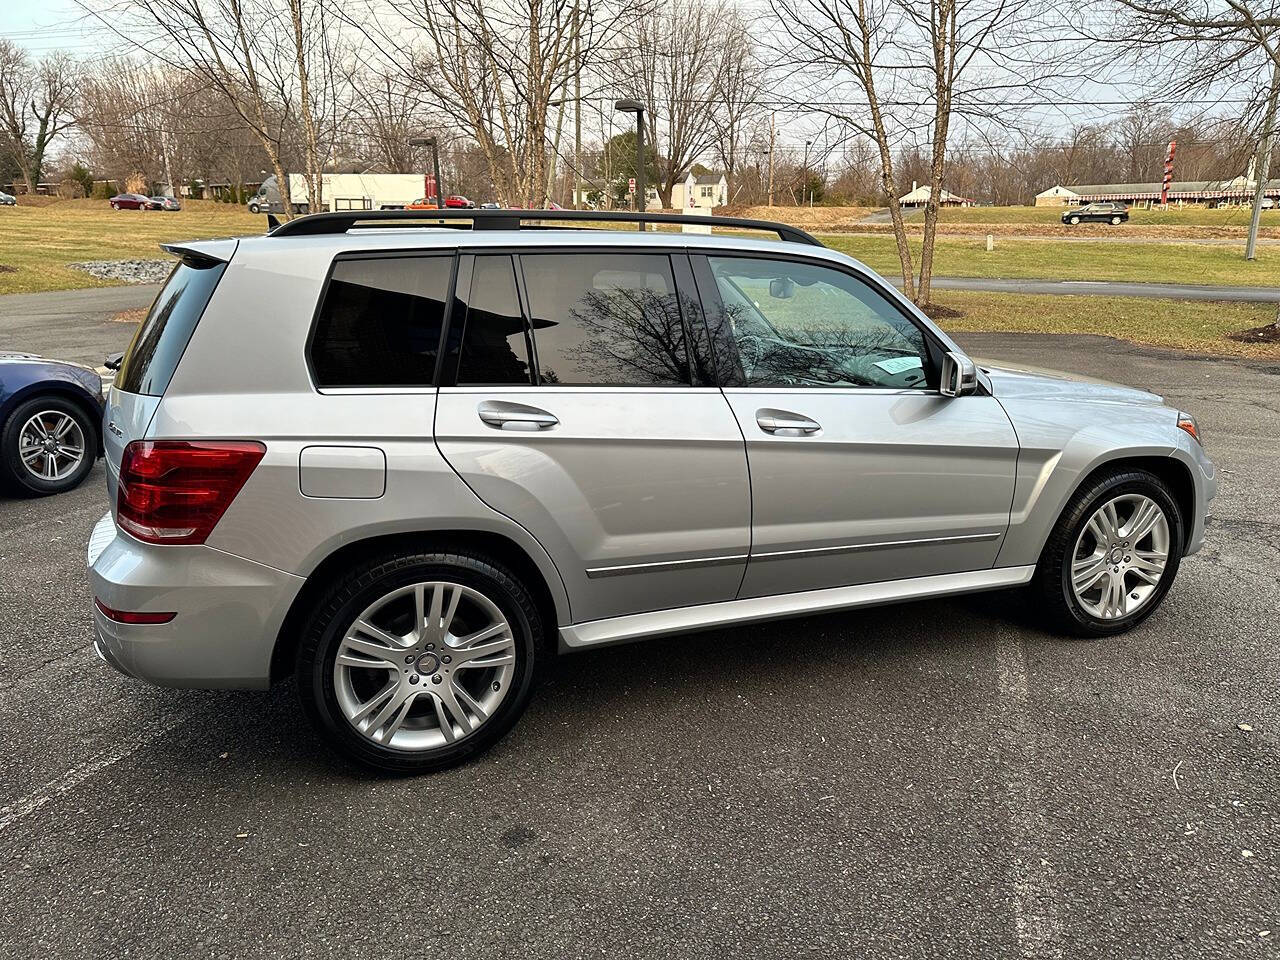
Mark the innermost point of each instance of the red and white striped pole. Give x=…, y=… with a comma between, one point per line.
x=1168, y=174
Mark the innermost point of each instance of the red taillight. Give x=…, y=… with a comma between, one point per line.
x=175, y=491
x=127, y=616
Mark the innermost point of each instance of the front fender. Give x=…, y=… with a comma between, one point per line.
x=1061, y=445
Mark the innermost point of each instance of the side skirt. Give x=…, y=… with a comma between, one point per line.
x=711, y=616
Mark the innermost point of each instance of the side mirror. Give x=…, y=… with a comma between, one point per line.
x=959, y=375
x=114, y=360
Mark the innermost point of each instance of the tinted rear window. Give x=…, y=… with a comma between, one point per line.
x=380, y=323
x=158, y=345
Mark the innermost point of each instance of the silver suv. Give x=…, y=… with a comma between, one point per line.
x=407, y=463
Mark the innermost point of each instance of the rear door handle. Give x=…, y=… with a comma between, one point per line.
x=505, y=415
x=785, y=422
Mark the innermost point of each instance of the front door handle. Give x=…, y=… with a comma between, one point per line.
x=785, y=422
x=505, y=415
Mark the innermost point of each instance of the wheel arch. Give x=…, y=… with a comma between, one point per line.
x=494, y=545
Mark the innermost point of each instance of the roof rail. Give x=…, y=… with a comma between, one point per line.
x=340, y=222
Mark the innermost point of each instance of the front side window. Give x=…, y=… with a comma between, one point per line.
x=605, y=319
x=797, y=324
x=380, y=323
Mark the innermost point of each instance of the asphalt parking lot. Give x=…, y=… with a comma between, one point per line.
x=939, y=779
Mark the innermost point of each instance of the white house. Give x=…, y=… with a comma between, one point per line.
x=1058, y=196
x=919, y=196
x=700, y=193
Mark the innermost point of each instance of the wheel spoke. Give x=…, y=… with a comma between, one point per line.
x=1087, y=572
x=374, y=702
x=1144, y=519
x=398, y=698
x=447, y=696
x=63, y=427
x=1111, y=518
x=480, y=635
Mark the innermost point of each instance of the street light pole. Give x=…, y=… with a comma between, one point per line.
x=435, y=154
x=636, y=107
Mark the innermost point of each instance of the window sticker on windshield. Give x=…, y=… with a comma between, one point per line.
x=896, y=365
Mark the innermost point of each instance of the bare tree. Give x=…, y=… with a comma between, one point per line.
x=492, y=69
x=673, y=62
x=35, y=102
x=274, y=67
x=886, y=69
x=738, y=118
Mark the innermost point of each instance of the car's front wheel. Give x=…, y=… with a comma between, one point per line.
x=47, y=445
x=1074, y=221
x=419, y=662
x=1115, y=221
x=1112, y=555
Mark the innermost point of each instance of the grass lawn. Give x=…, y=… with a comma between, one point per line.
x=1028, y=258
x=38, y=241
x=1197, y=326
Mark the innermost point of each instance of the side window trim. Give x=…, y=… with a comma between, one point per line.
x=445, y=320
x=522, y=295
x=711, y=300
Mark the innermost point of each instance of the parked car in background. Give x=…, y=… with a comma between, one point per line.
x=50, y=418
x=132, y=201
x=8, y=199
x=1112, y=213
x=166, y=203
x=488, y=445
x=490, y=206
x=458, y=202
x=423, y=203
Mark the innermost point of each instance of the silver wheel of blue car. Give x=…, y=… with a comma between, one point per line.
x=52, y=445
x=424, y=666
x=1120, y=557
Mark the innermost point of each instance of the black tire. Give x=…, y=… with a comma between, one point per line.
x=1051, y=588
x=17, y=478
x=115, y=206
x=1115, y=221
x=1074, y=221
x=352, y=593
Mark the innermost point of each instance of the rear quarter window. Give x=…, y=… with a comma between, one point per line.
x=380, y=322
x=158, y=345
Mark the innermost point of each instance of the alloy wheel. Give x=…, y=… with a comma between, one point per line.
x=1120, y=557
x=51, y=445
x=424, y=666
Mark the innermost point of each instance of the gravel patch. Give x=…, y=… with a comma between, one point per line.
x=130, y=271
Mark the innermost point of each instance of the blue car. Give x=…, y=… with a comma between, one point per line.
x=50, y=424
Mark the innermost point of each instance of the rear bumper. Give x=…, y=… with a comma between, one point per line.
x=229, y=611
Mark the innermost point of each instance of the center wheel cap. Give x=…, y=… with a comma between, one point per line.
x=427, y=664
x=1117, y=555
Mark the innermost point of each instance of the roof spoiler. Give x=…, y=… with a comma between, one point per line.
x=203, y=253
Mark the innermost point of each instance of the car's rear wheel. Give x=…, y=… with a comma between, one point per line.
x=419, y=662
x=48, y=445
x=1112, y=556
x=1115, y=221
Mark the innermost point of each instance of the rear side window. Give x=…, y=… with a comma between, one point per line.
x=380, y=323
x=157, y=347
x=605, y=319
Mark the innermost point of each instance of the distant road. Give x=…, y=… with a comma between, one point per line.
x=1111, y=288
x=71, y=324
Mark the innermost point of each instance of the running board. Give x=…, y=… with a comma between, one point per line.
x=728, y=613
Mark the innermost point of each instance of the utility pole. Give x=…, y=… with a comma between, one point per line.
x=773, y=117
x=804, y=184
x=1261, y=165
